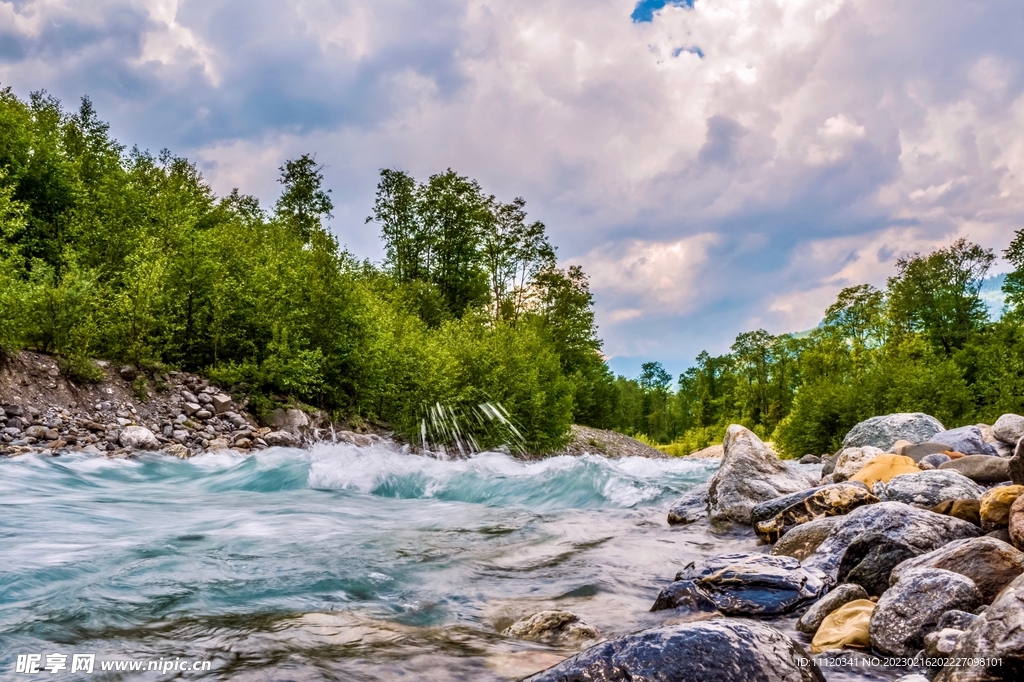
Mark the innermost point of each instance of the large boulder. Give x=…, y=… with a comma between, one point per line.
x=754, y=584
x=995, y=642
x=774, y=518
x=547, y=626
x=1009, y=428
x=918, y=528
x=292, y=420
x=870, y=559
x=711, y=651
x=912, y=607
x=996, y=504
x=684, y=595
x=883, y=432
x=801, y=542
x=851, y=460
x=692, y=507
x=750, y=473
x=929, y=488
x=819, y=610
x=990, y=563
x=966, y=439
x=138, y=438
x=980, y=468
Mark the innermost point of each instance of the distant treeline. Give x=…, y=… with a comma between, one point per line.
x=925, y=343
x=115, y=253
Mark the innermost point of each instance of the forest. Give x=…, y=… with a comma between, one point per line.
x=112, y=252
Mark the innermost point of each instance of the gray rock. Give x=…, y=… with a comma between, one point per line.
x=913, y=677
x=819, y=610
x=992, y=564
x=220, y=403
x=870, y=559
x=203, y=414
x=692, y=507
x=941, y=642
x=828, y=464
x=966, y=439
x=997, y=636
x=918, y=528
x=179, y=435
x=138, y=438
x=750, y=473
x=191, y=408
x=883, y=432
x=911, y=608
x=13, y=410
x=930, y=488
x=686, y=595
x=801, y=541
x=956, y=619
x=293, y=421
x=980, y=468
x=920, y=451
x=851, y=460
x=710, y=651
x=205, y=398
x=1016, y=464
x=551, y=626
x=1009, y=428
x=774, y=518
x=810, y=459
x=280, y=439
x=754, y=584
x=935, y=459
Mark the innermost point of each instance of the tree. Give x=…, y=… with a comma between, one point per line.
x=396, y=207
x=1013, y=285
x=304, y=203
x=858, y=315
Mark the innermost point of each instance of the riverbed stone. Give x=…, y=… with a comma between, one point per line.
x=918, y=528
x=754, y=584
x=718, y=650
x=1009, y=428
x=870, y=559
x=774, y=518
x=851, y=460
x=810, y=459
x=912, y=607
x=1016, y=524
x=842, y=594
x=220, y=402
x=292, y=420
x=996, y=504
x=936, y=459
x=138, y=438
x=929, y=488
x=980, y=468
x=801, y=541
x=918, y=451
x=547, y=626
x=280, y=439
x=992, y=564
x=883, y=432
x=966, y=510
x=957, y=619
x=847, y=626
x=750, y=473
x=997, y=636
x=1016, y=463
x=941, y=642
x=882, y=468
x=966, y=439
x=693, y=506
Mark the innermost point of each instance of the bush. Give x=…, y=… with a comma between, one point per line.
x=81, y=370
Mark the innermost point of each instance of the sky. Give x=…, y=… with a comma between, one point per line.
x=716, y=166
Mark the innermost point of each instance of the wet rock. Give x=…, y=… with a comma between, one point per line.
x=220, y=403
x=851, y=460
x=996, y=636
x=710, y=651
x=918, y=528
x=750, y=473
x=966, y=439
x=882, y=432
x=176, y=450
x=911, y=608
x=774, y=518
x=965, y=510
x=138, y=438
x=990, y=563
x=956, y=619
x=686, y=595
x=843, y=594
x=883, y=468
x=935, y=460
x=1009, y=428
x=846, y=626
x=996, y=504
x=692, y=507
x=552, y=625
x=801, y=541
x=980, y=468
x=870, y=559
x=280, y=439
x=754, y=584
x=929, y=488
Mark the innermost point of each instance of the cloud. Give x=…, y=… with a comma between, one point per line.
x=715, y=165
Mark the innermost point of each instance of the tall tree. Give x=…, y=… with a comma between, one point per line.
x=304, y=203
x=407, y=247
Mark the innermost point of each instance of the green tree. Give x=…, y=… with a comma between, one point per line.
x=304, y=203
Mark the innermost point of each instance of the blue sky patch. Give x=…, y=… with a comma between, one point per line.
x=645, y=9
x=692, y=50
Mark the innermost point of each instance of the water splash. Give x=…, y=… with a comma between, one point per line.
x=447, y=430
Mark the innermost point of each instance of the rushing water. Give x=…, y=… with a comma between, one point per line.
x=338, y=563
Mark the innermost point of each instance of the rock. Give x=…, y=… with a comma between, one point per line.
x=966, y=439
x=205, y=398
x=1009, y=428
x=41, y=433
x=293, y=421
x=936, y=460
x=882, y=468
x=843, y=594
x=754, y=584
x=851, y=460
x=898, y=446
x=179, y=435
x=218, y=444
x=138, y=438
x=911, y=608
x=929, y=488
x=990, y=563
x=918, y=528
x=551, y=625
x=128, y=373
x=801, y=541
x=220, y=403
x=966, y=510
x=280, y=439
x=925, y=466
x=189, y=397
x=870, y=559
x=810, y=459
x=913, y=677
x=750, y=473
x=243, y=443
x=981, y=468
x=176, y=450
x=996, y=504
x=13, y=410
x=846, y=626
x=203, y=414
x=828, y=464
x=190, y=408
x=883, y=432
x=684, y=594
x=1016, y=463
x=919, y=451
x=956, y=619
x=941, y=642
x=710, y=452
x=710, y=651
x=692, y=507
x=774, y=518
x=997, y=637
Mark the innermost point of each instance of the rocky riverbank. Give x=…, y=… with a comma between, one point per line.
x=906, y=545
